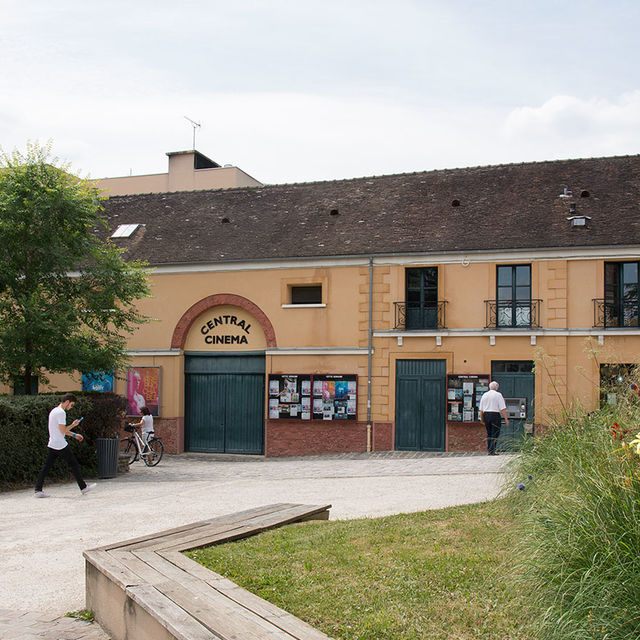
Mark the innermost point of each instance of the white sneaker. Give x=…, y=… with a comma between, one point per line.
x=40, y=494
x=88, y=488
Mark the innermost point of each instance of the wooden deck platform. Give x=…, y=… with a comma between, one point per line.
x=146, y=589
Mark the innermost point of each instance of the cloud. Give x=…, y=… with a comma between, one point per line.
x=296, y=136
x=274, y=136
x=566, y=123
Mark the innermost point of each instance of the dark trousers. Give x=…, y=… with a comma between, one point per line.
x=69, y=458
x=492, y=421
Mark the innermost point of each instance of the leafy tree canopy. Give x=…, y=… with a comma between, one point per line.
x=67, y=297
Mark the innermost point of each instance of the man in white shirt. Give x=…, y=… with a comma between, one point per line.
x=58, y=446
x=492, y=404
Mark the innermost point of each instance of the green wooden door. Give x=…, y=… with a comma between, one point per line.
x=224, y=398
x=516, y=380
x=420, y=405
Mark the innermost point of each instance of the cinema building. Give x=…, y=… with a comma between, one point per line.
x=370, y=314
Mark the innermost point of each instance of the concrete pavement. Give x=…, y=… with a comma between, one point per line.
x=41, y=541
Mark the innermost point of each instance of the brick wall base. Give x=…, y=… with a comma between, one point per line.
x=466, y=437
x=169, y=429
x=298, y=438
x=383, y=436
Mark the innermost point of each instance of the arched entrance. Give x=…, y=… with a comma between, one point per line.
x=224, y=340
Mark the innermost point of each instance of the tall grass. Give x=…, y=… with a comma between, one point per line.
x=579, y=523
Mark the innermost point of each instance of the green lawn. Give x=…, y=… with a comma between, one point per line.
x=428, y=576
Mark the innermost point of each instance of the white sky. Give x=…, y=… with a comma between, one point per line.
x=298, y=90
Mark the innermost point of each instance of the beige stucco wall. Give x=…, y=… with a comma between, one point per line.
x=567, y=369
x=219, y=178
x=181, y=176
x=335, y=323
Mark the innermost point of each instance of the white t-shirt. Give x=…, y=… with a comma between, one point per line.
x=492, y=401
x=147, y=424
x=57, y=417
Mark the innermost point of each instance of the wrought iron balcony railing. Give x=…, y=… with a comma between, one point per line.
x=608, y=315
x=413, y=315
x=512, y=314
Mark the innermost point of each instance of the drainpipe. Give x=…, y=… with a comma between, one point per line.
x=370, y=350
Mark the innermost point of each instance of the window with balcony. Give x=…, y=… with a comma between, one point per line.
x=620, y=305
x=513, y=306
x=421, y=308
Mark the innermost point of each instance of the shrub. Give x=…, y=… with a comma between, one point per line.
x=24, y=434
x=104, y=417
x=579, y=521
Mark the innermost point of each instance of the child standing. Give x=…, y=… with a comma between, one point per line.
x=146, y=422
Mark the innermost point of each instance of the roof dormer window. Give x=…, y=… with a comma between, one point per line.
x=124, y=230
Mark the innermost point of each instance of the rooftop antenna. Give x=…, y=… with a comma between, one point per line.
x=195, y=125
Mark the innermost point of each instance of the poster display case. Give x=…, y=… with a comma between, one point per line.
x=463, y=396
x=313, y=396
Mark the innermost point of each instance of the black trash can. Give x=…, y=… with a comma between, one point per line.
x=107, y=449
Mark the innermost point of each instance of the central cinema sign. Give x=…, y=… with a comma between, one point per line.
x=225, y=338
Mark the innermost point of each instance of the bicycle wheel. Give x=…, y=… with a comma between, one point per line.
x=153, y=454
x=128, y=448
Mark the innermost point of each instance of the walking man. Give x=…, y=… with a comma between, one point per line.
x=58, y=446
x=492, y=404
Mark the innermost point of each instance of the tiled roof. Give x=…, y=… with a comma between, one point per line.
x=502, y=207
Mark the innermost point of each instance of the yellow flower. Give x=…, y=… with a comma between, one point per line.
x=635, y=443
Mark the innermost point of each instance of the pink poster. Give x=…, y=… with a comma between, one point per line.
x=143, y=390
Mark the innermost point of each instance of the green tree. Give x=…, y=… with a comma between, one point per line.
x=67, y=296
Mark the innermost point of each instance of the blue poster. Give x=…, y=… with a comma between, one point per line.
x=97, y=381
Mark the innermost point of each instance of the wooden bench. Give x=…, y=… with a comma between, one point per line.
x=146, y=589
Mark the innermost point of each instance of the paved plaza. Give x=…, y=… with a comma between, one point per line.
x=41, y=541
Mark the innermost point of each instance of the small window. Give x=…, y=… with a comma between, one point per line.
x=124, y=230
x=511, y=366
x=615, y=379
x=306, y=294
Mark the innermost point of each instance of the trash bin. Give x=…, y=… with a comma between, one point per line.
x=107, y=449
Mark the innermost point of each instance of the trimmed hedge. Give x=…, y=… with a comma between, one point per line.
x=24, y=434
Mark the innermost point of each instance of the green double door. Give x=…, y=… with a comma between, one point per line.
x=224, y=403
x=420, y=405
x=516, y=380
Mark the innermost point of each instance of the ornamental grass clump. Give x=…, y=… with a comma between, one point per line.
x=579, y=522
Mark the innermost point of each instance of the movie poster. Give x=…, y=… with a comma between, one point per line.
x=463, y=396
x=313, y=397
x=143, y=390
x=102, y=382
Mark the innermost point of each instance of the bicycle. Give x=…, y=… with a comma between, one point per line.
x=135, y=447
